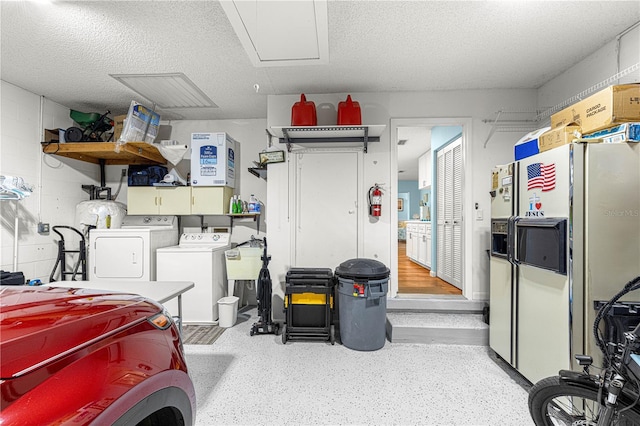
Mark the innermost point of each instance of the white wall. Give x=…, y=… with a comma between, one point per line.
x=379, y=108
x=594, y=69
x=57, y=181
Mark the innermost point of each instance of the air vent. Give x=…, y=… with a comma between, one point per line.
x=172, y=90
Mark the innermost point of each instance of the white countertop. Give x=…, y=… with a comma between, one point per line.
x=160, y=291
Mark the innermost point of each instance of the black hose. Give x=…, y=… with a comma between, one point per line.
x=632, y=285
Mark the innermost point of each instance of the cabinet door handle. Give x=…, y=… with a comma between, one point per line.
x=155, y=200
x=193, y=200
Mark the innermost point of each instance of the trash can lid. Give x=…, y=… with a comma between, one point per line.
x=362, y=268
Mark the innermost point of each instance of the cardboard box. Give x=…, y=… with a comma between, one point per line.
x=627, y=132
x=118, y=125
x=558, y=136
x=613, y=105
x=213, y=159
x=51, y=135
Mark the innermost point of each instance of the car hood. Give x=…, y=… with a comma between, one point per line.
x=40, y=324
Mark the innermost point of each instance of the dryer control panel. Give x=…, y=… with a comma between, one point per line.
x=204, y=239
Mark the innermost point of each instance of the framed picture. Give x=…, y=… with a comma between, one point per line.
x=400, y=204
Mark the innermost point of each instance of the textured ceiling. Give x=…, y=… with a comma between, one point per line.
x=66, y=50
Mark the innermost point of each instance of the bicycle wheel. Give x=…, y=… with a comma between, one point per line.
x=553, y=403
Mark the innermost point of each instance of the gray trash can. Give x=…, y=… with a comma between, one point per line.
x=362, y=303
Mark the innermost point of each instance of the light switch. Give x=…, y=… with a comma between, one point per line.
x=479, y=214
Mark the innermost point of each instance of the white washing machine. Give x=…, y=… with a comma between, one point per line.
x=199, y=258
x=129, y=252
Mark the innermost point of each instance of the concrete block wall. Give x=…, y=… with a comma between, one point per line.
x=56, y=181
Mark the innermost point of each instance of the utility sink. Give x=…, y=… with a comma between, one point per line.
x=243, y=263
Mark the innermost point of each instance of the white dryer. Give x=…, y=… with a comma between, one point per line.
x=129, y=252
x=199, y=258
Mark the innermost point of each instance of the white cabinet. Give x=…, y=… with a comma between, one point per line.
x=427, y=245
x=424, y=170
x=415, y=243
x=419, y=243
x=210, y=199
x=409, y=244
x=413, y=240
x=173, y=200
x=178, y=200
x=422, y=245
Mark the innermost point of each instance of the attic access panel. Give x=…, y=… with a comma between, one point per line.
x=281, y=33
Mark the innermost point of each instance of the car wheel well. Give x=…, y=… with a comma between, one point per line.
x=169, y=416
x=168, y=406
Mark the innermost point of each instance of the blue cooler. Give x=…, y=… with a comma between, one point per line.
x=528, y=145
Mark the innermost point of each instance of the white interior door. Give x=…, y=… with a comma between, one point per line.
x=326, y=209
x=449, y=214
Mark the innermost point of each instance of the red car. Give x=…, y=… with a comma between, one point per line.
x=78, y=356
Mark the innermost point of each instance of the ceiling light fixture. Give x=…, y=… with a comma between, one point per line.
x=168, y=91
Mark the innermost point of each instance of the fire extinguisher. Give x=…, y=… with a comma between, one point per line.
x=375, y=201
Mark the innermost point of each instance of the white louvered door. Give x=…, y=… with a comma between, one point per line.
x=449, y=222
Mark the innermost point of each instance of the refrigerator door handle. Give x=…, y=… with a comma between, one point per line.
x=511, y=240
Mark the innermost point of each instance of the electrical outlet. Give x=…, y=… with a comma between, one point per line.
x=124, y=172
x=43, y=228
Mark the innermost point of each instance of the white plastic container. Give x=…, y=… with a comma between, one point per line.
x=227, y=311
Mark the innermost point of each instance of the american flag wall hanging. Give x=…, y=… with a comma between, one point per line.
x=542, y=176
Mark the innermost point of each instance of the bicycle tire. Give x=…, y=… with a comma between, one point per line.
x=549, y=397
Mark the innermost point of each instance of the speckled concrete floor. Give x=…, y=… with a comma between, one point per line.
x=256, y=380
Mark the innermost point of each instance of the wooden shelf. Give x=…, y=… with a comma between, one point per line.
x=104, y=152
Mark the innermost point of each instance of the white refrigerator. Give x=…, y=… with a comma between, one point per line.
x=573, y=240
x=501, y=271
